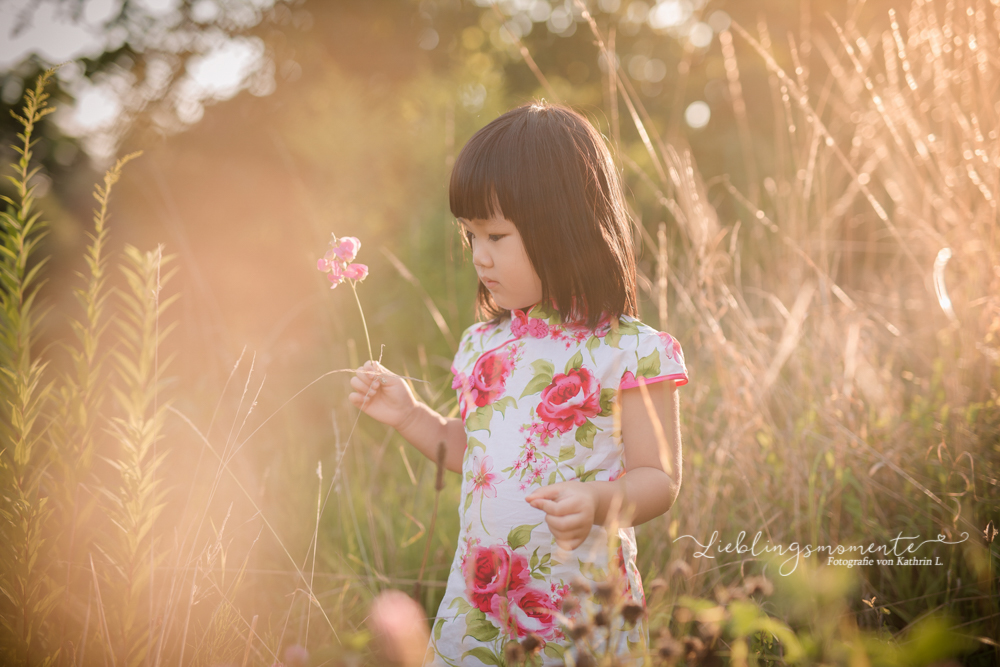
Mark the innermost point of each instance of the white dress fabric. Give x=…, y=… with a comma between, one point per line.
x=537, y=396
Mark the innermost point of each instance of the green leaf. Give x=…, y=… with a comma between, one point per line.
x=505, y=403
x=590, y=475
x=566, y=452
x=554, y=650
x=479, y=628
x=437, y=629
x=585, y=434
x=613, y=339
x=574, y=362
x=540, y=312
x=607, y=401
x=520, y=535
x=552, y=477
x=533, y=563
x=468, y=502
x=592, y=344
x=463, y=606
x=480, y=419
x=536, y=384
x=484, y=655
x=628, y=328
x=649, y=366
x=543, y=367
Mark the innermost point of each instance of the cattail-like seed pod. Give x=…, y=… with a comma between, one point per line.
x=579, y=631
x=439, y=481
x=532, y=644
x=580, y=586
x=632, y=612
x=601, y=619
x=513, y=653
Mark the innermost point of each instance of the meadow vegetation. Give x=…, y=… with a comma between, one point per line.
x=839, y=305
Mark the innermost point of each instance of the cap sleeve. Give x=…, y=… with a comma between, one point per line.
x=652, y=355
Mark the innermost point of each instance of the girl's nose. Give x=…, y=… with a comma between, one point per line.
x=480, y=257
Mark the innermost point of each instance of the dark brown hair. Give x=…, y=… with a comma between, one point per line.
x=545, y=168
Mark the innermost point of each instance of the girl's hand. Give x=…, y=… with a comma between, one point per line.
x=382, y=395
x=570, y=508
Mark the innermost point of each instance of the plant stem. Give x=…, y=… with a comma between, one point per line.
x=364, y=324
x=438, y=487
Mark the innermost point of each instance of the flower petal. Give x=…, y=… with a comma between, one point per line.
x=356, y=271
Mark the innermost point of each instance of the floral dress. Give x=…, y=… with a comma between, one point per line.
x=538, y=397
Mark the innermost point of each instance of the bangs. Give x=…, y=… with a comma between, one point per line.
x=484, y=169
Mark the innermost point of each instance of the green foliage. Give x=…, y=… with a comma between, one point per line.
x=29, y=593
x=53, y=437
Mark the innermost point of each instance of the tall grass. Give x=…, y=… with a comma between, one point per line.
x=858, y=382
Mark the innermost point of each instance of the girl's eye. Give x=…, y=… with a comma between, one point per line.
x=496, y=237
x=468, y=237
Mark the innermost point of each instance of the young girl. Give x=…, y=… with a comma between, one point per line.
x=553, y=480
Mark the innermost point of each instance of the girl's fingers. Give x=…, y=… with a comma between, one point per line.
x=565, y=523
x=547, y=506
x=552, y=492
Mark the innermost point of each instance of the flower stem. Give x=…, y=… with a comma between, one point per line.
x=364, y=324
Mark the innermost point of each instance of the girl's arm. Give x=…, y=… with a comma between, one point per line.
x=652, y=440
x=393, y=403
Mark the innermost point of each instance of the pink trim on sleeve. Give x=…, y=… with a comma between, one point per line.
x=678, y=378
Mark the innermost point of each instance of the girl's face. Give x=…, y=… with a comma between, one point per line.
x=502, y=262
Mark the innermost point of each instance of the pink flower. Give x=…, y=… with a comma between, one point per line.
x=493, y=571
x=461, y=382
x=399, y=629
x=347, y=248
x=295, y=655
x=673, y=348
x=489, y=377
x=570, y=399
x=482, y=477
x=537, y=328
x=336, y=275
x=336, y=261
x=356, y=271
x=533, y=610
x=522, y=325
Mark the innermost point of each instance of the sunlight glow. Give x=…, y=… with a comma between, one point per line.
x=697, y=114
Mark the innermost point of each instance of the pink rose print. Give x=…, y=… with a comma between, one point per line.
x=527, y=610
x=483, y=479
x=493, y=572
x=461, y=381
x=521, y=324
x=538, y=328
x=628, y=379
x=673, y=348
x=570, y=399
x=489, y=377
